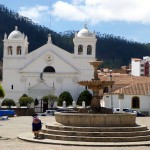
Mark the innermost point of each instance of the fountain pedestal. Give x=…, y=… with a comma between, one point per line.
x=96, y=85
x=95, y=120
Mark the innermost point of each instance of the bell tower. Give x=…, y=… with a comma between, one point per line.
x=14, y=58
x=85, y=43
x=16, y=45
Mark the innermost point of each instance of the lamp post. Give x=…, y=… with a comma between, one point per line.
x=111, y=90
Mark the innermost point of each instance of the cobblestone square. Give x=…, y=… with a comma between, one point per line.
x=11, y=128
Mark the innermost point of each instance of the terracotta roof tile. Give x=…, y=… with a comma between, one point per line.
x=134, y=89
x=131, y=85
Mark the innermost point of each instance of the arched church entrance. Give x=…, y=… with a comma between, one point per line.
x=48, y=69
x=45, y=106
x=41, y=106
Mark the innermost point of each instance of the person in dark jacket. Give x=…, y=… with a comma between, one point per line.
x=36, y=126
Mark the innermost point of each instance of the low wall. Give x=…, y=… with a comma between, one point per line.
x=95, y=120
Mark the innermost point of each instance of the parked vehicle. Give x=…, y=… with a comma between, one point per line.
x=127, y=110
x=10, y=113
x=49, y=112
x=139, y=114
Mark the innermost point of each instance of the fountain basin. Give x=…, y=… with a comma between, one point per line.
x=95, y=120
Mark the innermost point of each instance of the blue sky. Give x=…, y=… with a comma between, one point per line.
x=125, y=18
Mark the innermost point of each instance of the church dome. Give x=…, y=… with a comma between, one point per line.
x=84, y=32
x=15, y=34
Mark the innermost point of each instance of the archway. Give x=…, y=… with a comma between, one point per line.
x=135, y=102
x=49, y=69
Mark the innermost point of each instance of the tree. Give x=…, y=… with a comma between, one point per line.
x=8, y=102
x=24, y=95
x=50, y=99
x=84, y=96
x=2, y=93
x=25, y=101
x=65, y=96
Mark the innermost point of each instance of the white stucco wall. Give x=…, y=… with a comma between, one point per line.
x=127, y=102
x=136, y=68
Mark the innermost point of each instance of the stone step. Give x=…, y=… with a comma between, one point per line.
x=96, y=134
x=95, y=139
x=96, y=129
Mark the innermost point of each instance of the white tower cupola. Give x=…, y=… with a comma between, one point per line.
x=85, y=43
x=16, y=45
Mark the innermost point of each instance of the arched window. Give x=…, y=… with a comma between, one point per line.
x=105, y=90
x=135, y=102
x=49, y=69
x=80, y=50
x=9, y=50
x=18, y=50
x=89, y=50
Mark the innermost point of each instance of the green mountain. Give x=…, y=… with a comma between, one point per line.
x=114, y=51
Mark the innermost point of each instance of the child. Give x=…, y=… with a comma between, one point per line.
x=36, y=126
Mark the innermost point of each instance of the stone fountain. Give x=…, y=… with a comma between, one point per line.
x=96, y=85
x=97, y=116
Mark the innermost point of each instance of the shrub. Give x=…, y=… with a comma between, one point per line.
x=25, y=101
x=2, y=93
x=84, y=96
x=24, y=95
x=65, y=96
x=8, y=102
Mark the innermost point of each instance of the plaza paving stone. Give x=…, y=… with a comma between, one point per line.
x=13, y=127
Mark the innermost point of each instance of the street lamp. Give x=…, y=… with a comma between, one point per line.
x=110, y=71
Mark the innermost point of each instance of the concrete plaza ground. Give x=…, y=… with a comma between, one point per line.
x=11, y=128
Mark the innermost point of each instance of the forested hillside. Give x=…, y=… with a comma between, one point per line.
x=114, y=51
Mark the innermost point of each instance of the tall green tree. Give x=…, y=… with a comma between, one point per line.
x=84, y=96
x=65, y=96
x=25, y=100
x=8, y=102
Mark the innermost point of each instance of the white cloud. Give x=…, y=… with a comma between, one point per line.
x=36, y=13
x=96, y=11
x=67, y=11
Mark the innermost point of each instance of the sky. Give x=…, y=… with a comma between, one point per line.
x=129, y=19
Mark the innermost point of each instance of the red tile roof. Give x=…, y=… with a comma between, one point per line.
x=129, y=85
x=135, y=89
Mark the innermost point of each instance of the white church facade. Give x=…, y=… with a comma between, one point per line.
x=47, y=69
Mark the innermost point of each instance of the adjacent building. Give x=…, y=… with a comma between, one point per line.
x=140, y=67
x=128, y=92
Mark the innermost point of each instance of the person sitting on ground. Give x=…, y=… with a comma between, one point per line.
x=36, y=126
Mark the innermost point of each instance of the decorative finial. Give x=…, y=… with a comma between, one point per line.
x=5, y=36
x=49, y=39
x=16, y=28
x=85, y=24
x=26, y=37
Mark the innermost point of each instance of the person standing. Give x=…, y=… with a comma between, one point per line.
x=36, y=126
